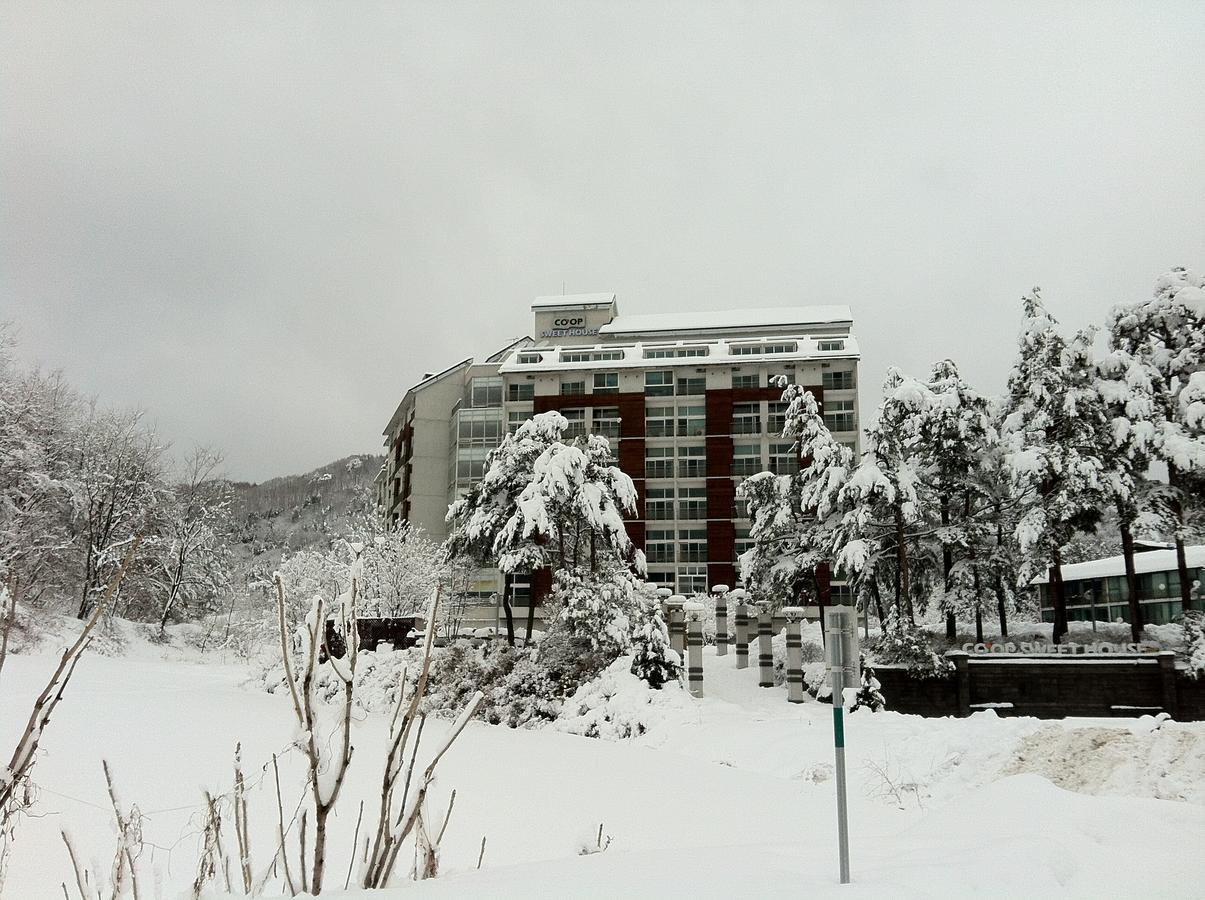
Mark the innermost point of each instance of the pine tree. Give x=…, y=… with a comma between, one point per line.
x=1053, y=430
x=793, y=516
x=1167, y=333
x=881, y=504
x=954, y=433
x=545, y=503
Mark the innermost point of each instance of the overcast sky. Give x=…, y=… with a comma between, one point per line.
x=262, y=222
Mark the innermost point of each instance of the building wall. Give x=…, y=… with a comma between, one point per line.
x=707, y=531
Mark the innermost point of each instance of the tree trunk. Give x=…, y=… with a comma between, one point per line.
x=901, y=555
x=978, y=606
x=1058, y=597
x=1127, y=550
x=878, y=602
x=947, y=563
x=531, y=612
x=1173, y=478
x=506, y=608
x=1000, y=606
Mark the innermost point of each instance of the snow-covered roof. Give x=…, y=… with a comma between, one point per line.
x=714, y=352
x=552, y=302
x=1147, y=561
x=727, y=320
x=426, y=381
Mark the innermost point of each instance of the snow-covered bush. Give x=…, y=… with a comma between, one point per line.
x=1194, y=643
x=618, y=705
x=909, y=647
x=593, y=609
x=653, y=659
x=869, y=691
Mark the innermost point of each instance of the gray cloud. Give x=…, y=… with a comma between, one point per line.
x=261, y=222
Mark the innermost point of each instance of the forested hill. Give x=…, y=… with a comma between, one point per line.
x=295, y=512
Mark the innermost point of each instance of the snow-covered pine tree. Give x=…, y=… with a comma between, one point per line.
x=545, y=503
x=1054, y=432
x=881, y=505
x=954, y=432
x=1167, y=333
x=1128, y=387
x=793, y=516
x=653, y=659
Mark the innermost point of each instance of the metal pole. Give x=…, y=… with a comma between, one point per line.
x=839, y=748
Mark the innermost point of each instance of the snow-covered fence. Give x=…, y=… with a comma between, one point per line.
x=1049, y=688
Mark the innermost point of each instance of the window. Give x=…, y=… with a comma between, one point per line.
x=665, y=579
x=746, y=418
x=659, y=421
x=743, y=543
x=692, y=503
x=692, y=462
x=742, y=508
x=689, y=386
x=659, y=546
x=746, y=459
x=514, y=420
x=479, y=426
x=692, y=421
x=574, y=356
x=830, y=345
x=773, y=379
x=485, y=391
x=606, y=382
x=744, y=382
x=838, y=381
x=674, y=352
x=572, y=388
x=659, y=384
x=839, y=415
x=577, y=422
x=692, y=580
x=776, y=419
x=658, y=462
x=529, y=358
x=606, y=421
x=692, y=544
x=658, y=503
x=782, y=459
x=470, y=463
x=759, y=349
x=524, y=390
x=607, y=355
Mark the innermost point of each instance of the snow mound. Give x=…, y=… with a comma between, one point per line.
x=1164, y=762
x=617, y=705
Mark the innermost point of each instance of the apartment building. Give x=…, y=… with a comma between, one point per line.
x=686, y=400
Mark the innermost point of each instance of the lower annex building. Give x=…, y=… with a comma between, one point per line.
x=686, y=400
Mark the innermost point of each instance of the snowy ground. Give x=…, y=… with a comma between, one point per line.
x=728, y=796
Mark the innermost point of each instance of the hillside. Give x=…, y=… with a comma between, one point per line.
x=298, y=512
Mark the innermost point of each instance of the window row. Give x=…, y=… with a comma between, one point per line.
x=659, y=503
x=683, y=545
x=691, y=462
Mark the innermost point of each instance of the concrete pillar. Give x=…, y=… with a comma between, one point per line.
x=694, y=646
x=677, y=624
x=794, y=616
x=721, y=619
x=1167, y=680
x=742, y=629
x=765, y=649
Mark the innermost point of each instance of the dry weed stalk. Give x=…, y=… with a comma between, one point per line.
x=15, y=793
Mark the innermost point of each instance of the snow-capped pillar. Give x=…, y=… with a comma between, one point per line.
x=794, y=616
x=694, y=645
x=721, y=619
x=742, y=629
x=962, y=679
x=677, y=623
x=765, y=646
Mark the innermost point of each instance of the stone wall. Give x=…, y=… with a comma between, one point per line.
x=1049, y=688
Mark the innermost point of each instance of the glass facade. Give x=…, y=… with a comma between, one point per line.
x=1108, y=597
